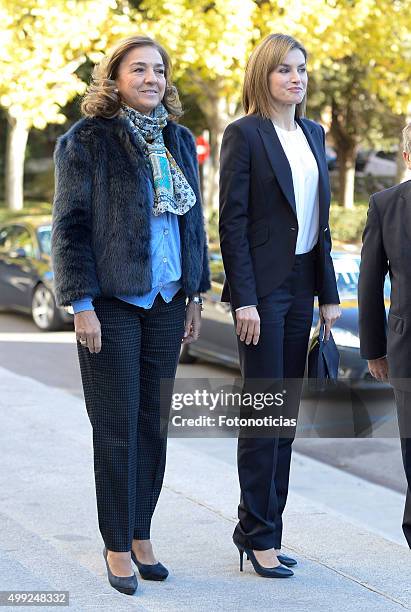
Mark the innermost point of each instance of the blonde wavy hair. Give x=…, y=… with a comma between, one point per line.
x=265, y=58
x=102, y=98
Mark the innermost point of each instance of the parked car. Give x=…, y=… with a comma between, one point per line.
x=369, y=163
x=26, y=277
x=218, y=343
x=376, y=163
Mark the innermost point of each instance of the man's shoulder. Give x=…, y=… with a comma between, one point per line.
x=385, y=197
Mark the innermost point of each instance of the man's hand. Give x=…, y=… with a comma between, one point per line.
x=379, y=368
x=248, y=324
x=193, y=323
x=329, y=313
x=88, y=330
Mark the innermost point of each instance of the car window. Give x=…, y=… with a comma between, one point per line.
x=44, y=237
x=22, y=240
x=347, y=272
x=390, y=155
x=16, y=237
x=6, y=236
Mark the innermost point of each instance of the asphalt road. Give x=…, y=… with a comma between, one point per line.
x=51, y=358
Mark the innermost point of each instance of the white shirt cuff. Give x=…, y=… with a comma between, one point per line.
x=242, y=307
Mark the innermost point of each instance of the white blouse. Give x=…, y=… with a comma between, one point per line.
x=305, y=175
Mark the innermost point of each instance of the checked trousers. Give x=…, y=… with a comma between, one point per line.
x=122, y=393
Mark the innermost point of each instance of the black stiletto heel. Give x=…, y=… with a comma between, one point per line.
x=241, y=559
x=266, y=572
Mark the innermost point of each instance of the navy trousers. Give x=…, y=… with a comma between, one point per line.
x=122, y=394
x=264, y=462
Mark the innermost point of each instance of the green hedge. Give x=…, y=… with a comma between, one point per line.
x=32, y=208
x=347, y=224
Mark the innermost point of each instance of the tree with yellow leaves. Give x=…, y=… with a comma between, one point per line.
x=209, y=43
x=360, y=59
x=44, y=42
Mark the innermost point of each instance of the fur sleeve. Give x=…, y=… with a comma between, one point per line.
x=71, y=249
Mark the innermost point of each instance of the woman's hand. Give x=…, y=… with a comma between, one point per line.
x=193, y=323
x=329, y=313
x=248, y=324
x=88, y=330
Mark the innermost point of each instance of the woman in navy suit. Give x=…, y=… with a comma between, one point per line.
x=275, y=243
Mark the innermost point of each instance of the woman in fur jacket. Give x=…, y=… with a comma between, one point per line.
x=129, y=255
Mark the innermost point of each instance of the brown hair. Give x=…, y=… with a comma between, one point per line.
x=265, y=58
x=102, y=99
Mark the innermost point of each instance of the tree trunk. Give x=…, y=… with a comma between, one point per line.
x=343, y=130
x=346, y=174
x=17, y=135
x=217, y=120
x=218, y=112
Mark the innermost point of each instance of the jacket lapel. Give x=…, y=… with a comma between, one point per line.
x=323, y=180
x=281, y=166
x=278, y=160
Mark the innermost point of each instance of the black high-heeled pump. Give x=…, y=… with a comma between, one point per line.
x=287, y=561
x=124, y=584
x=150, y=572
x=284, y=560
x=266, y=572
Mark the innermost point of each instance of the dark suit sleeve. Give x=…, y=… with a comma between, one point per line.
x=72, y=255
x=233, y=223
x=373, y=269
x=329, y=292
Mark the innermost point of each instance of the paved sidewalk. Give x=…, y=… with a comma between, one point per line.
x=49, y=536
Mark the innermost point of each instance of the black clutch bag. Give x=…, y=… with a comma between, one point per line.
x=323, y=361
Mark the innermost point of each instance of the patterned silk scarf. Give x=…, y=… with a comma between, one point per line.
x=171, y=190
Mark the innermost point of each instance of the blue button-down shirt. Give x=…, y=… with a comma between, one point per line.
x=165, y=263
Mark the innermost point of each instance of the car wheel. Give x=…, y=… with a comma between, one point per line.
x=44, y=310
x=185, y=355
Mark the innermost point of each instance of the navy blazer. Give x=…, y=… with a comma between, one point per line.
x=258, y=219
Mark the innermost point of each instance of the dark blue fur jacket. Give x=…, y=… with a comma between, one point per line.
x=101, y=212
